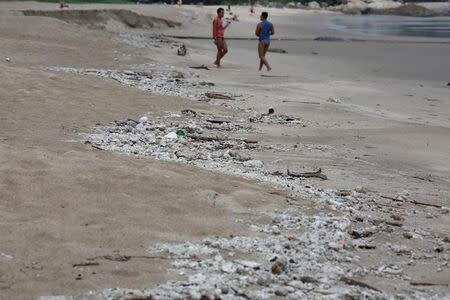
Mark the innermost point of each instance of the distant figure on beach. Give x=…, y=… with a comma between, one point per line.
x=62, y=4
x=218, y=36
x=264, y=30
x=180, y=3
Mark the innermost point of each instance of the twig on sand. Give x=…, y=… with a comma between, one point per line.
x=417, y=283
x=353, y=281
x=219, y=139
x=124, y=258
x=281, y=76
x=412, y=201
x=216, y=121
x=202, y=67
x=218, y=96
x=317, y=174
x=393, y=223
x=97, y=147
x=424, y=178
x=304, y=102
x=86, y=264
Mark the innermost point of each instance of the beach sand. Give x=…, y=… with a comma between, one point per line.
x=63, y=202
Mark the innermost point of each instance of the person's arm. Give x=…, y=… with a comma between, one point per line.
x=228, y=24
x=258, y=30
x=272, y=30
x=214, y=29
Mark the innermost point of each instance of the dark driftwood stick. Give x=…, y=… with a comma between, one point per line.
x=124, y=258
x=216, y=121
x=416, y=283
x=219, y=139
x=393, y=223
x=413, y=201
x=279, y=76
x=86, y=264
x=218, y=96
x=317, y=174
x=353, y=281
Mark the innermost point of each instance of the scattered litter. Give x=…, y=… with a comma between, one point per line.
x=7, y=256
x=182, y=50
x=272, y=118
x=169, y=83
x=334, y=100
x=143, y=119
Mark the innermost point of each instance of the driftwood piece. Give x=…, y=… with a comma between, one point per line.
x=424, y=178
x=412, y=201
x=86, y=264
x=279, y=76
x=220, y=139
x=214, y=121
x=393, y=223
x=145, y=74
x=97, y=147
x=125, y=258
x=353, y=281
x=202, y=67
x=388, y=222
x=218, y=96
x=418, y=283
x=317, y=174
x=303, y=102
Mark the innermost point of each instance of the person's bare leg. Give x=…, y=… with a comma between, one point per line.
x=261, y=55
x=219, y=53
x=266, y=47
x=261, y=63
x=224, y=48
x=262, y=49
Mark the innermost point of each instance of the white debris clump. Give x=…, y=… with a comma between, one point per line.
x=196, y=141
x=168, y=83
x=307, y=257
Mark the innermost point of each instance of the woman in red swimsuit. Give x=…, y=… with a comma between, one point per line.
x=218, y=36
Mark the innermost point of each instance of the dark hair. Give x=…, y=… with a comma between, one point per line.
x=264, y=14
x=219, y=10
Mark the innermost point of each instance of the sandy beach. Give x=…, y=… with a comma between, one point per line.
x=125, y=176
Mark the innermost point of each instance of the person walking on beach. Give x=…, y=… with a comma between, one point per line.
x=264, y=30
x=218, y=36
x=62, y=4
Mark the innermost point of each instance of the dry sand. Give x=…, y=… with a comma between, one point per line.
x=62, y=202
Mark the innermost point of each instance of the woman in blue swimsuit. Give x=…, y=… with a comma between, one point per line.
x=264, y=30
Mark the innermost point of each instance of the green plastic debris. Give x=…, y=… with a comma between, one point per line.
x=181, y=133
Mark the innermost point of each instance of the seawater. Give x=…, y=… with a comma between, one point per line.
x=436, y=27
